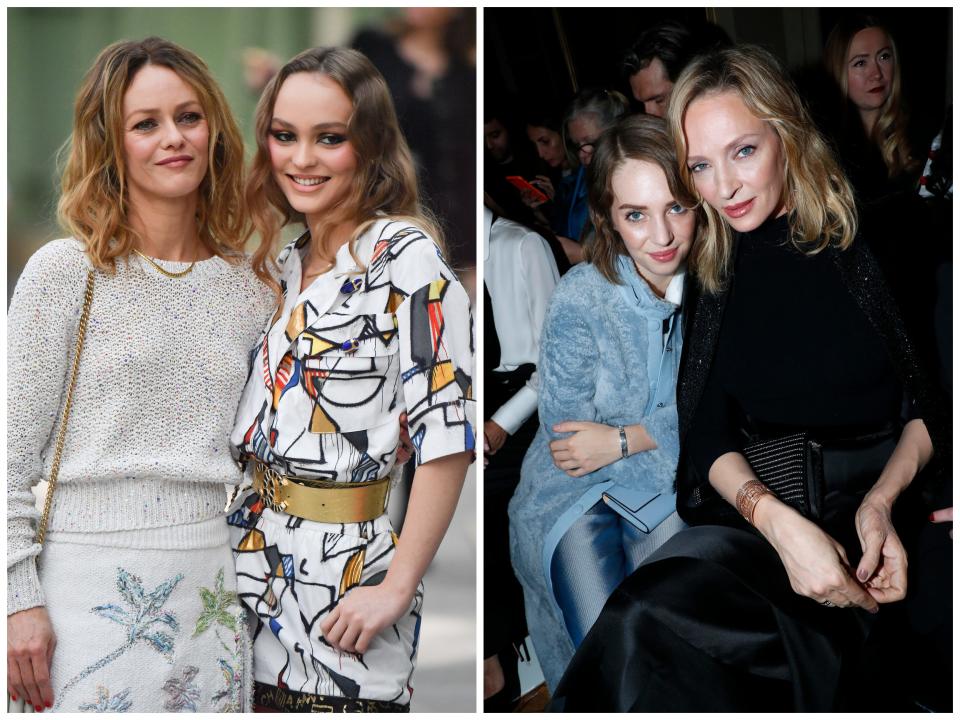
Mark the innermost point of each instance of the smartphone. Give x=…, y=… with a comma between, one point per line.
x=524, y=186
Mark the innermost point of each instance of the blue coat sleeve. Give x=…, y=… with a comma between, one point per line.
x=569, y=361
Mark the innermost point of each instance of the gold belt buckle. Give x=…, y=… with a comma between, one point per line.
x=270, y=487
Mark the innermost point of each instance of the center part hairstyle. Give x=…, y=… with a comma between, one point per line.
x=637, y=137
x=607, y=106
x=817, y=195
x=94, y=200
x=386, y=179
x=890, y=129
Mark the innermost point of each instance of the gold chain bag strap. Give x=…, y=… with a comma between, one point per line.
x=62, y=432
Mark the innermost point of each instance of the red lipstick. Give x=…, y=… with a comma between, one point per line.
x=740, y=209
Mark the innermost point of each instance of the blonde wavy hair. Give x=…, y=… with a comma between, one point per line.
x=817, y=195
x=94, y=199
x=636, y=137
x=890, y=130
x=386, y=179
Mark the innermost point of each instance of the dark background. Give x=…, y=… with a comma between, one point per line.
x=544, y=54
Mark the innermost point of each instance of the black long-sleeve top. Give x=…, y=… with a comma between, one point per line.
x=794, y=351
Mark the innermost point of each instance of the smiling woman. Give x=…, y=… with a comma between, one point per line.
x=132, y=603
x=371, y=323
x=165, y=137
x=609, y=354
x=794, y=440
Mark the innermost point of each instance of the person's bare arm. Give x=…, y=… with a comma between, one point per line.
x=366, y=611
x=816, y=564
x=883, y=567
x=573, y=250
x=595, y=445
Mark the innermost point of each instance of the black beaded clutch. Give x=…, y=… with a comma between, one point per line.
x=791, y=466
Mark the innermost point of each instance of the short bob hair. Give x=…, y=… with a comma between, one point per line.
x=94, y=201
x=889, y=132
x=386, y=180
x=817, y=195
x=637, y=137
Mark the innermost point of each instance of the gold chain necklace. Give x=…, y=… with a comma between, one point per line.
x=166, y=272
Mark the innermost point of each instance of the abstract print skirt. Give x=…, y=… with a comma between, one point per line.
x=291, y=573
x=146, y=620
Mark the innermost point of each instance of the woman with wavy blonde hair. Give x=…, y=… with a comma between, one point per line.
x=793, y=445
x=131, y=604
x=862, y=58
x=371, y=323
x=815, y=189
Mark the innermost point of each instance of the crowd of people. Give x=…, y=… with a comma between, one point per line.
x=741, y=430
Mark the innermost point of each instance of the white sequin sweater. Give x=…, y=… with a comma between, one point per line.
x=161, y=373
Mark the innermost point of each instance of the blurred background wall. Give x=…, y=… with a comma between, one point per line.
x=48, y=52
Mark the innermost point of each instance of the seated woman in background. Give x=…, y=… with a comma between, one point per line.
x=873, y=137
x=795, y=339
x=589, y=113
x=543, y=126
x=608, y=361
x=881, y=148
x=520, y=275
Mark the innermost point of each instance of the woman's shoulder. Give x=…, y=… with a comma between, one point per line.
x=581, y=282
x=582, y=292
x=241, y=265
x=62, y=261
x=407, y=251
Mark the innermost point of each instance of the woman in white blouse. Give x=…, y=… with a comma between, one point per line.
x=371, y=322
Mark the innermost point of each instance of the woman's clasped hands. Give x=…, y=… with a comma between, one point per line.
x=818, y=567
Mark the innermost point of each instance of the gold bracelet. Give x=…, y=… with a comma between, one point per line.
x=748, y=496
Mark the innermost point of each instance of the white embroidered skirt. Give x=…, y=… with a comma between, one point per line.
x=146, y=620
x=291, y=573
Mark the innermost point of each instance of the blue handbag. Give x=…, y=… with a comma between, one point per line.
x=642, y=509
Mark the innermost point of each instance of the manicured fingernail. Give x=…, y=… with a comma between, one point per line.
x=862, y=574
x=49, y=705
x=38, y=708
x=930, y=518
x=13, y=697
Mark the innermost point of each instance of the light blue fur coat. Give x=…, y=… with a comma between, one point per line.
x=599, y=361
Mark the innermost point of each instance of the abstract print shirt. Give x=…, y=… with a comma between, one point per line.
x=340, y=361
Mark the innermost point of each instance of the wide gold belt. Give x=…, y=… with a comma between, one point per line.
x=321, y=500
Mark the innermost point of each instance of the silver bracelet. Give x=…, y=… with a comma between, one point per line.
x=623, y=441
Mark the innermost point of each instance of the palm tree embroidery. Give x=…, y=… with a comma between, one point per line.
x=106, y=703
x=217, y=605
x=220, y=607
x=140, y=613
x=184, y=693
